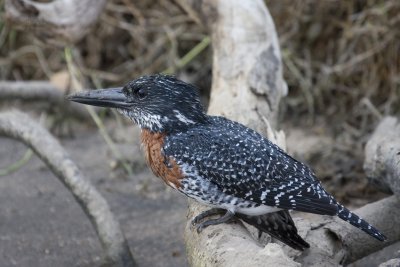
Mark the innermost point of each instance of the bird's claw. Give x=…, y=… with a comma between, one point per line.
x=200, y=226
x=194, y=224
x=195, y=220
x=205, y=214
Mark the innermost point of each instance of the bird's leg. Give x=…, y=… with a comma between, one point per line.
x=207, y=213
x=223, y=219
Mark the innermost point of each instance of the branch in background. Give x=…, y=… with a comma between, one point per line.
x=67, y=20
x=33, y=90
x=40, y=91
x=19, y=126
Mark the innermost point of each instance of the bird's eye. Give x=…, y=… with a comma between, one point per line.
x=140, y=93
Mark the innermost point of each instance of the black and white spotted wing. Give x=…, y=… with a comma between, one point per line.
x=243, y=164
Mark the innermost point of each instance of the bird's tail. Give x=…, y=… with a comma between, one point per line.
x=279, y=225
x=358, y=222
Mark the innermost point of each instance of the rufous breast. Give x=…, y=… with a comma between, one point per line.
x=162, y=166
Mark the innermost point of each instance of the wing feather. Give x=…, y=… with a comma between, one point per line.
x=244, y=164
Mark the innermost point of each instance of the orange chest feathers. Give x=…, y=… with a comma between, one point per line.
x=165, y=168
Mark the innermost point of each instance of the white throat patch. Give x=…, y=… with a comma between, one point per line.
x=143, y=119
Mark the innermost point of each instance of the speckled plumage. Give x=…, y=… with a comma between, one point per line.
x=219, y=162
x=236, y=163
x=230, y=166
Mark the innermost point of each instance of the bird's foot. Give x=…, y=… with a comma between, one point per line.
x=228, y=216
x=207, y=213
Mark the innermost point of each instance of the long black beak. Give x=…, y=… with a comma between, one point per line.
x=112, y=98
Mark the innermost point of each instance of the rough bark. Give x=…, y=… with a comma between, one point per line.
x=67, y=20
x=391, y=263
x=382, y=156
x=32, y=90
x=229, y=245
x=247, y=87
x=19, y=126
x=336, y=242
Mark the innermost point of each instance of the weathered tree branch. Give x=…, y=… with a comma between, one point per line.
x=382, y=156
x=337, y=242
x=19, y=126
x=67, y=20
x=40, y=91
x=332, y=240
x=229, y=245
x=32, y=90
x=391, y=263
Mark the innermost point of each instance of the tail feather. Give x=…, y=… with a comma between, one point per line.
x=358, y=222
x=279, y=225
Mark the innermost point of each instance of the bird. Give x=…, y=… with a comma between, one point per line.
x=218, y=162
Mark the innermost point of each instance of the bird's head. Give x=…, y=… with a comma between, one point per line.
x=159, y=103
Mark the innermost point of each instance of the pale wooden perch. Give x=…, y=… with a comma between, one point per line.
x=334, y=241
x=19, y=126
